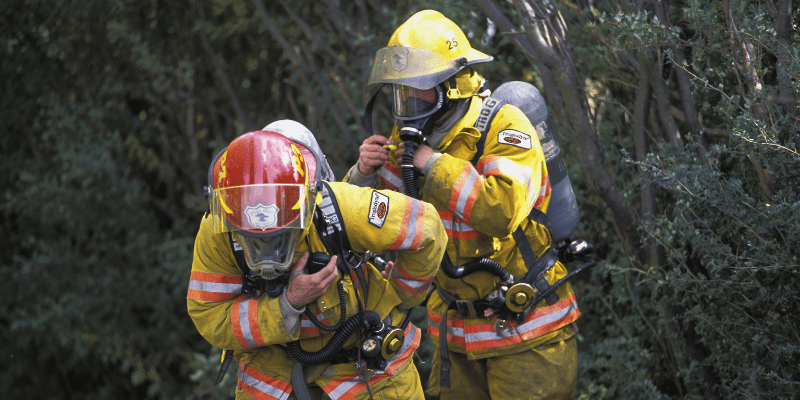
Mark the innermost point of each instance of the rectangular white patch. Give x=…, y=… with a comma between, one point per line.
x=378, y=209
x=514, y=138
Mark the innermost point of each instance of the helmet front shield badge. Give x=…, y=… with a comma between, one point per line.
x=418, y=68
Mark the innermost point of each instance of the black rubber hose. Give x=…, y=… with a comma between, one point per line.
x=407, y=168
x=590, y=262
x=369, y=318
x=481, y=264
x=451, y=271
x=343, y=305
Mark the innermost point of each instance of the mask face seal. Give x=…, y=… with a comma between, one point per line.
x=269, y=257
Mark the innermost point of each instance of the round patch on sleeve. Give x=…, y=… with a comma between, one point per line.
x=514, y=138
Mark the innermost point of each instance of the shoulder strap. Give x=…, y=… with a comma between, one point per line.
x=330, y=225
x=536, y=267
x=484, y=122
x=238, y=253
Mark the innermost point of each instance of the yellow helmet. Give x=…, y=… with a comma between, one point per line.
x=426, y=50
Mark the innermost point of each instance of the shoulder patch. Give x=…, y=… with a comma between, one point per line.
x=378, y=209
x=514, y=138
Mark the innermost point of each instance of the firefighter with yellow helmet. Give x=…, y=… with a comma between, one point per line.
x=281, y=279
x=485, y=188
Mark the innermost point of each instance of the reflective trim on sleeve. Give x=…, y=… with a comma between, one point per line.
x=501, y=166
x=206, y=286
x=411, y=228
x=544, y=191
x=456, y=228
x=349, y=386
x=261, y=386
x=307, y=327
x=465, y=192
x=244, y=318
x=390, y=176
x=410, y=283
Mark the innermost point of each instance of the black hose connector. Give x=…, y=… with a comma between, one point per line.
x=365, y=319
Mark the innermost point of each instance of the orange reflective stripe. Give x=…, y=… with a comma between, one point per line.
x=207, y=286
x=501, y=166
x=261, y=386
x=483, y=336
x=455, y=328
x=456, y=228
x=349, y=386
x=412, y=228
x=544, y=191
x=390, y=176
x=410, y=283
x=465, y=192
x=244, y=318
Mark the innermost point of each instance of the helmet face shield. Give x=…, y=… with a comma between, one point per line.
x=413, y=103
x=418, y=68
x=261, y=210
x=269, y=257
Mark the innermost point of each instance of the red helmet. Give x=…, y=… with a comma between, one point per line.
x=263, y=192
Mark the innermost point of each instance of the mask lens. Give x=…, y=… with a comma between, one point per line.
x=410, y=102
x=270, y=256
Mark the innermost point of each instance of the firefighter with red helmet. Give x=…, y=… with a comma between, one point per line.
x=280, y=277
x=487, y=180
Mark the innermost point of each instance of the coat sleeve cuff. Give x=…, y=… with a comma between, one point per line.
x=429, y=164
x=291, y=316
x=355, y=177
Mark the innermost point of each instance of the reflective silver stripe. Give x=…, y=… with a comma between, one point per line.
x=526, y=327
x=411, y=225
x=262, y=386
x=412, y=283
x=457, y=226
x=244, y=322
x=466, y=190
x=347, y=385
x=519, y=173
x=343, y=388
x=215, y=287
x=390, y=177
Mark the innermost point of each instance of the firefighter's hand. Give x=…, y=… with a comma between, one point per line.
x=372, y=154
x=387, y=270
x=421, y=156
x=305, y=288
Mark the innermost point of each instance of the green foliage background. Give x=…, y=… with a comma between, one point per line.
x=111, y=111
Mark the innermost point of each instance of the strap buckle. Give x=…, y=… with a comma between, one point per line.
x=466, y=308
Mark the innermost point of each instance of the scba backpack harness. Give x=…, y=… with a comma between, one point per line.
x=514, y=300
x=381, y=336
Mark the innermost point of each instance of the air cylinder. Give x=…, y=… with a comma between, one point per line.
x=563, y=209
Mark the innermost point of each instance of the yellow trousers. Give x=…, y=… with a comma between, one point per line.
x=548, y=371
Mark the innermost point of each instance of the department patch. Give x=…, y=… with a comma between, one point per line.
x=262, y=216
x=378, y=209
x=514, y=138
